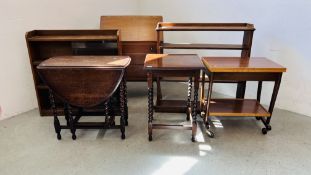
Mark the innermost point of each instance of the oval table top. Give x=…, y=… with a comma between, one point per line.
x=86, y=62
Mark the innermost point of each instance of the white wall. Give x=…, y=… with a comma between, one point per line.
x=283, y=34
x=17, y=16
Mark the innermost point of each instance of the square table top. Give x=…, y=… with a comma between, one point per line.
x=86, y=61
x=238, y=64
x=173, y=62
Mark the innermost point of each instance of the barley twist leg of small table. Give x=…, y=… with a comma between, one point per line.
x=56, y=121
x=122, y=108
x=150, y=105
x=189, y=97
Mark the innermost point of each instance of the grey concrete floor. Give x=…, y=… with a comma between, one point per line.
x=28, y=145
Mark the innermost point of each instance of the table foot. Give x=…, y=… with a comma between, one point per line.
x=210, y=134
x=267, y=126
x=122, y=128
x=57, y=126
x=71, y=122
x=193, y=138
x=59, y=137
x=150, y=138
x=264, y=131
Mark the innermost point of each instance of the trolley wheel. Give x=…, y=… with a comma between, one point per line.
x=264, y=131
x=269, y=128
x=123, y=136
x=150, y=138
x=210, y=134
x=257, y=118
x=74, y=137
x=59, y=137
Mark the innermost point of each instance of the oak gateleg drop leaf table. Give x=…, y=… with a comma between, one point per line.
x=85, y=82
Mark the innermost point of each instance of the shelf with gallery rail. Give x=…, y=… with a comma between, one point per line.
x=201, y=46
x=74, y=35
x=245, y=48
x=168, y=26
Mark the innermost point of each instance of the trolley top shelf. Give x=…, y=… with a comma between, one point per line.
x=236, y=64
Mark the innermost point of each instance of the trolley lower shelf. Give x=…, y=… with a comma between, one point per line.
x=237, y=107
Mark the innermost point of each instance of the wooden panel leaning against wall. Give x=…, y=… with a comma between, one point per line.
x=138, y=38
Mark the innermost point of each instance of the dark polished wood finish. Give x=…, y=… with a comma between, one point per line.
x=73, y=77
x=138, y=39
x=85, y=82
x=175, y=65
x=44, y=44
x=247, y=69
x=172, y=62
x=244, y=47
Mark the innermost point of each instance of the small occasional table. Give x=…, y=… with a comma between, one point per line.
x=85, y=82
x=249, y=69
x=173, y=65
